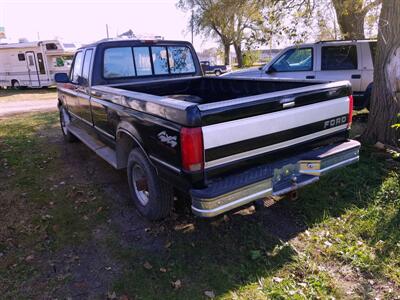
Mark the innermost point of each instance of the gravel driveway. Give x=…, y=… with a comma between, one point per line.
x=10, y=108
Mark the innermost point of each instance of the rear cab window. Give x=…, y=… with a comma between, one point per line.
x=343, y=57
x=125, y=62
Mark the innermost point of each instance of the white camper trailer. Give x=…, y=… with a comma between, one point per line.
x=33, y=64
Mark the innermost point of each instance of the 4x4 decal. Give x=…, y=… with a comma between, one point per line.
x=168, y=139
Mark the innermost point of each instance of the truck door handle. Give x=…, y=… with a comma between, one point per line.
x=355, y=76
x=310, y=77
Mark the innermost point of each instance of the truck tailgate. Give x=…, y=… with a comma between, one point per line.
x=243, y=138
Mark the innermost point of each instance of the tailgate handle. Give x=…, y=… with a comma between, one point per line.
x=355, y=76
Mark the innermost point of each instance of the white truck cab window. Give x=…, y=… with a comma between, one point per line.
x=294, y=60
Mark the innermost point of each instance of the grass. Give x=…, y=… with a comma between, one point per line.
x=350, y=249
x=353, y=222
x=10, y=95
x=41, y=210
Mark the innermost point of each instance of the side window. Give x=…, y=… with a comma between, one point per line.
x=160, y=61
x=339, y=58
x=118, y=62
x=180, y=60
x=86, y=64
x=30, y=61
x=77, y=67
x=21, y=57
x=295, y=60
x=142, y=61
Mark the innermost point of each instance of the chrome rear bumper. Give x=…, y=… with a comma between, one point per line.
x=278, y=178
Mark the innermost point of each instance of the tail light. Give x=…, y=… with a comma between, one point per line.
x=192, y=149
x=351, y=103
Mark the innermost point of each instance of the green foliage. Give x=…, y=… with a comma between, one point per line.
x=250, y=57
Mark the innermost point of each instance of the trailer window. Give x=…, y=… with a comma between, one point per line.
x=118, y=62
x=30, y=60
x=21, y=57
x=51, y=46
x=41, y=63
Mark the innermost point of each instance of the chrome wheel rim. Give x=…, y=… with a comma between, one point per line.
x=140, y=184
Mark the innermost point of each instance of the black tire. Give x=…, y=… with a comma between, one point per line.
x=218, y=73
x=15, y=84
x=64, y=121
x=159, y=195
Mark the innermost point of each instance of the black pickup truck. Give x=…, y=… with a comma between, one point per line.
x=145, y=106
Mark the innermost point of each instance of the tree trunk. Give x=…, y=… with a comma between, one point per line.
x=350, y=17
x=239, y=54
x=227, y=49
x=385, y=100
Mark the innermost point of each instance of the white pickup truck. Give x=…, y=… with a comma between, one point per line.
x=329, y=60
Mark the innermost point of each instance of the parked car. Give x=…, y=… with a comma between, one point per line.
x=210, y=68
x=144, y=106
x=330, y=60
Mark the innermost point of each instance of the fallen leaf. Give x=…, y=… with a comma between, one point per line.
x=163, y=270
x=29, y=258
x=176, y=284
x=277, y=279
x=209, y=294
x=147, y=265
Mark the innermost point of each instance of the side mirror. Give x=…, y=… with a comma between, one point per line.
x=61, y=78
x=270, y=70
x=82, y=81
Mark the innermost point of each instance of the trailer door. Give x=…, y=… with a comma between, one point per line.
x=32, y=70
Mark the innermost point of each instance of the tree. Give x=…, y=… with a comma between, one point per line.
x=351, y=16
x=233, y=22
x=385, y=101
x=209, y=18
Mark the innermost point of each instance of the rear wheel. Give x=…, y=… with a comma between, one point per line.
x=15, y=84
x=64, y=122
x=217, y=72
x=151, y=196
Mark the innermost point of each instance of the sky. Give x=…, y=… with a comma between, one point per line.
x=85, y=21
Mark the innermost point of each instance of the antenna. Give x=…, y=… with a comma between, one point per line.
x=108, y=36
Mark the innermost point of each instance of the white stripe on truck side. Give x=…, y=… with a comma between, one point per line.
x=270, y=148
x=243, y=129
